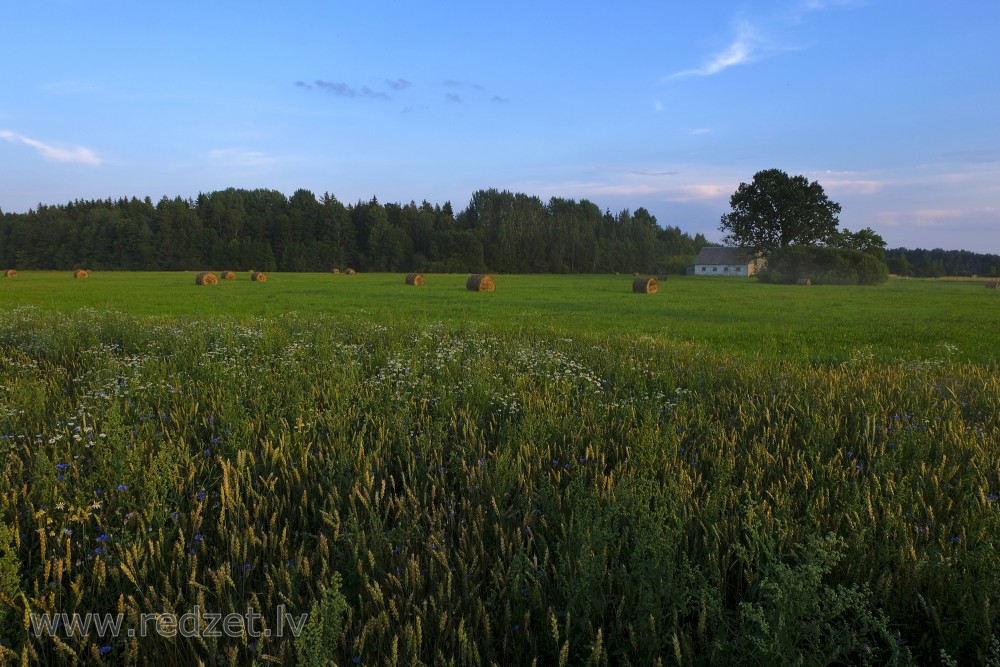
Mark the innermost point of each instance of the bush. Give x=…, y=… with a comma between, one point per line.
x=824, y=266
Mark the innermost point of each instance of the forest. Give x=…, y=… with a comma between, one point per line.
x=920, y=263
x=264, y=230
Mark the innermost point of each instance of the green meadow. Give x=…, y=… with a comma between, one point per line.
x=561, y=472
x=905, y=319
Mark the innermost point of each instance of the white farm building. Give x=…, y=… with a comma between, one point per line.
x=713, y=261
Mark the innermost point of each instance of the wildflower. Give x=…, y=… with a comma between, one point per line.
x=199, y=537
x=99, y=550
x=201, y=494
x=175, y=516
x=123, y=487
x=104, y=650
x=61, y=466
x=992, y=496
x=102, y=537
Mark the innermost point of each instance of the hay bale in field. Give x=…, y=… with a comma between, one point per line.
x=81, y=273
x=991, y=284
x=10, y=273
x=416, y=279
x=350, y=272
x=336, y=270
x=645, y=286
x=229, y=275
x=804, y=281
x=635, y=273
x=480, y=282
x=206, y=278
x=258, y=277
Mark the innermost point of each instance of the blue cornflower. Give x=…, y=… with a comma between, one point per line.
x=123, y=487
x=61, y=466
x=102, y=537
x=201, y=494
x=104, y=650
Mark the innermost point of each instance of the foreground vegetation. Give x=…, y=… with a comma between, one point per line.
x=462, y=493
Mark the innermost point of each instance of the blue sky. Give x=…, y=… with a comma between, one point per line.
x=892, y=105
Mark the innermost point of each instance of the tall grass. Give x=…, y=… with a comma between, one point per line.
x=453, y=495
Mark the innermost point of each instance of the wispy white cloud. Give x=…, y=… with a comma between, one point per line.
x=74, y=154
x=853, y=186
x=742, y=50
x=699, y=192
x=699, y=131
x=665, y=183
x=657, y=106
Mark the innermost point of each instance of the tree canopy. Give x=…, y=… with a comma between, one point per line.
x=776, y=210
x=266, y=231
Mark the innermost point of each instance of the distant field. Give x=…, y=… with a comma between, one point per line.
x=904, y=319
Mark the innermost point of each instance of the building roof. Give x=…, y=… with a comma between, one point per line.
x=716, y=255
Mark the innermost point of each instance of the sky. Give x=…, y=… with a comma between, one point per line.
x=893, y=106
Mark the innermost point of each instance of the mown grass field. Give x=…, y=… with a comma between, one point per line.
x=903, y=319
x=561, y=472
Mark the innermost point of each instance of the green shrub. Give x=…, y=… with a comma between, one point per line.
x=824, y=266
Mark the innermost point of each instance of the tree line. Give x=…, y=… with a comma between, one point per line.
x=935, y=263
x=264, y=230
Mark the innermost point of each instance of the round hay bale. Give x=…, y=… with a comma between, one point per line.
x=206, y=278
x=636, y=274
x=416, y=279
x=258, y=277
x=480, y=282
x=645, y=286
x=81, y=273
x=10, y=273
x=804, y=281
x=229, y=275
x=350, y=272
x=336, y=270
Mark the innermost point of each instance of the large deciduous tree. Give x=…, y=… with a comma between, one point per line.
x=777, y=210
